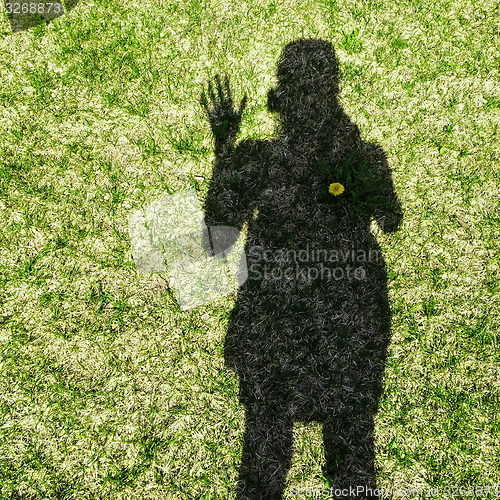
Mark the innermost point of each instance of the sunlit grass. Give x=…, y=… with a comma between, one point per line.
x=108, y=390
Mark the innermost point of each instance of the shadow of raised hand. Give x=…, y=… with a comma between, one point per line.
x=223, y=117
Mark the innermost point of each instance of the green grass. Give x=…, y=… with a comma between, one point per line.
x=108, y=390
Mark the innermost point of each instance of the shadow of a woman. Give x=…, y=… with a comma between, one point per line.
x=310, y=329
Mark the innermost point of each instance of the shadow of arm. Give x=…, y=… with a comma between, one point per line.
x=235, y=184
x=388, y=212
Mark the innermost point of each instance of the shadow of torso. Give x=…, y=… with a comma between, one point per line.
x=309, y=330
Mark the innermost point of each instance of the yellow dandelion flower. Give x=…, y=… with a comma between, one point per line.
x=336, y=188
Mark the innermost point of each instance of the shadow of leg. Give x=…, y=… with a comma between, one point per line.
x=267, y=455
x=350, y=454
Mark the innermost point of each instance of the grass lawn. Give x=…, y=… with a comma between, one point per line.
x=108, y=389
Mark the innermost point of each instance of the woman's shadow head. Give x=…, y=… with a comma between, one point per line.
x=305, y=97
